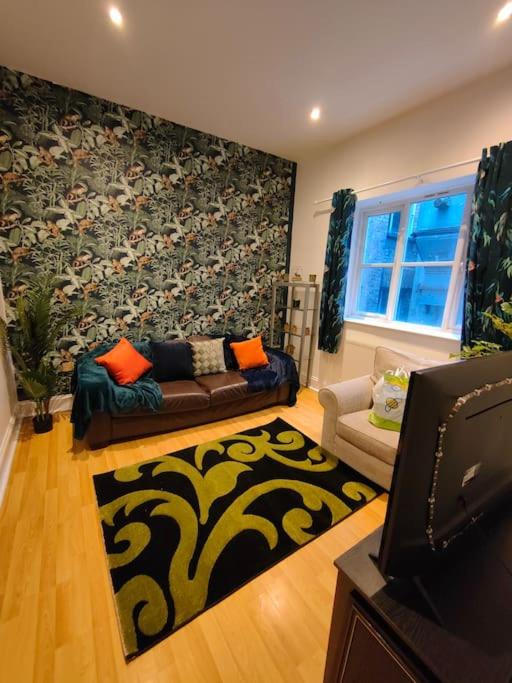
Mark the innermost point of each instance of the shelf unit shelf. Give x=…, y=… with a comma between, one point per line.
x=308, y=294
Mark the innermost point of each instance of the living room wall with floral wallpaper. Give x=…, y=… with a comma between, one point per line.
x=152, y=229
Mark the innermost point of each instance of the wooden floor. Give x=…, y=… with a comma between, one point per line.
x=57, y=619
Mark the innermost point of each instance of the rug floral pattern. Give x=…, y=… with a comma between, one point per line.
x=184, y=530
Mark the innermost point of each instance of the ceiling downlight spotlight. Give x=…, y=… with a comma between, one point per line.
x=115, y=16
x=315, y=114
x=505, y=13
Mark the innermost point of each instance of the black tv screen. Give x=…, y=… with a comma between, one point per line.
x=454, y=461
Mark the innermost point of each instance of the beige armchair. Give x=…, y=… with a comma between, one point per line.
x=347, y=432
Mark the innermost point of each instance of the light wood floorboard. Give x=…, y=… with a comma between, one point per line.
x=57, y=618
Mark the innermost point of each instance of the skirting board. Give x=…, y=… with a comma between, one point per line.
x=7, y=450
x=57, y=405
x=314, y=383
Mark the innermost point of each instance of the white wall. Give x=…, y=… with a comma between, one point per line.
x=452, y=128
x=7, y=401
x=7, y=408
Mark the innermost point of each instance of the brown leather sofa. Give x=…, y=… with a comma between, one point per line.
x=186, y=403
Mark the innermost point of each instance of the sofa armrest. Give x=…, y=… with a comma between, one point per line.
x=340, y=399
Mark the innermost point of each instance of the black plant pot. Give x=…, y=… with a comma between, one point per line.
x=42, y=424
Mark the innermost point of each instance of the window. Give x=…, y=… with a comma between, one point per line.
x=407, y=259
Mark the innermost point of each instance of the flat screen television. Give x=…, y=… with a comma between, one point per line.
x=454, y=461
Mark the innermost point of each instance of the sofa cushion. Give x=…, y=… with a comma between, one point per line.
x=357, y=430
x=183, y=395
x=124, y=363
x=229, y=356
x=208, y=357
x=249, y=354
x=172, y=360
x=224, y=387
x=390, y=359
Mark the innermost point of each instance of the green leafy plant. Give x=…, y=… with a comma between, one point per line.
x=486, y=348
x=32, y=339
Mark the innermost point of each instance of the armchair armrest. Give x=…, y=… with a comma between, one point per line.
x=347, y=397
x=340, y=399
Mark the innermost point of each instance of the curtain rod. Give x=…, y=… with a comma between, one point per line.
x=409, y=177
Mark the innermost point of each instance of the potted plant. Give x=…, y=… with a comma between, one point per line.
x=32, y=338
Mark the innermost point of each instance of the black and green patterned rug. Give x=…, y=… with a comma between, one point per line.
x=184, y=530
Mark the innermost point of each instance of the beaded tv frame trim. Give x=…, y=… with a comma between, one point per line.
x=459, y=403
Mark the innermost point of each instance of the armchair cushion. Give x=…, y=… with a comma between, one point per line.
x=389, y=359
x=357, y=430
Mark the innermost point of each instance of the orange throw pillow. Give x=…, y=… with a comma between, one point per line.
x=249, y=354
x=124, y=363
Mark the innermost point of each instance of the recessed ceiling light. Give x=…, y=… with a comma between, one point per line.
x=115, y=16
x=315, y=114
x=505, y=13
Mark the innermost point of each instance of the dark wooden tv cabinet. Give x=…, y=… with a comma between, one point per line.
x=385, y=632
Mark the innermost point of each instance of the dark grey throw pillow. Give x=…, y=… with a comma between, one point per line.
x=172, y=360
x=229, y=356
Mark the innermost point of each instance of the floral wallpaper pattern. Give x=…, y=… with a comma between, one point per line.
x=152, y=229
x=489, y=261
x=337, y=257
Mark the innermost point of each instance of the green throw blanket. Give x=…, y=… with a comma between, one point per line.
x=94, y=390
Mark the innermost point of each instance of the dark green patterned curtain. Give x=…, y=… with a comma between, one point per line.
x=336, y=267
x=489, y=264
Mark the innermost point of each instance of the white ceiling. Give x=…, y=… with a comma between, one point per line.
x=251, y=70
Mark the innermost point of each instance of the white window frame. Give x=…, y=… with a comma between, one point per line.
x=401, y=201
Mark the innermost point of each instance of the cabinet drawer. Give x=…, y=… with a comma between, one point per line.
x=368, y=658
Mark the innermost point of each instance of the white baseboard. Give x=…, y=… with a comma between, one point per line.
x=315, y=384
x=57, y=405
x=7, y=450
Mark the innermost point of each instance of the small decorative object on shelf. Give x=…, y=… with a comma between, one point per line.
x=297, y=275
x=286, y=277
x=312, y=278
x=299, y=321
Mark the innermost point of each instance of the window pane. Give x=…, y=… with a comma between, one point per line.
x=381, y=237
x=374, y=290
x=433, y=228
x=422, y=295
